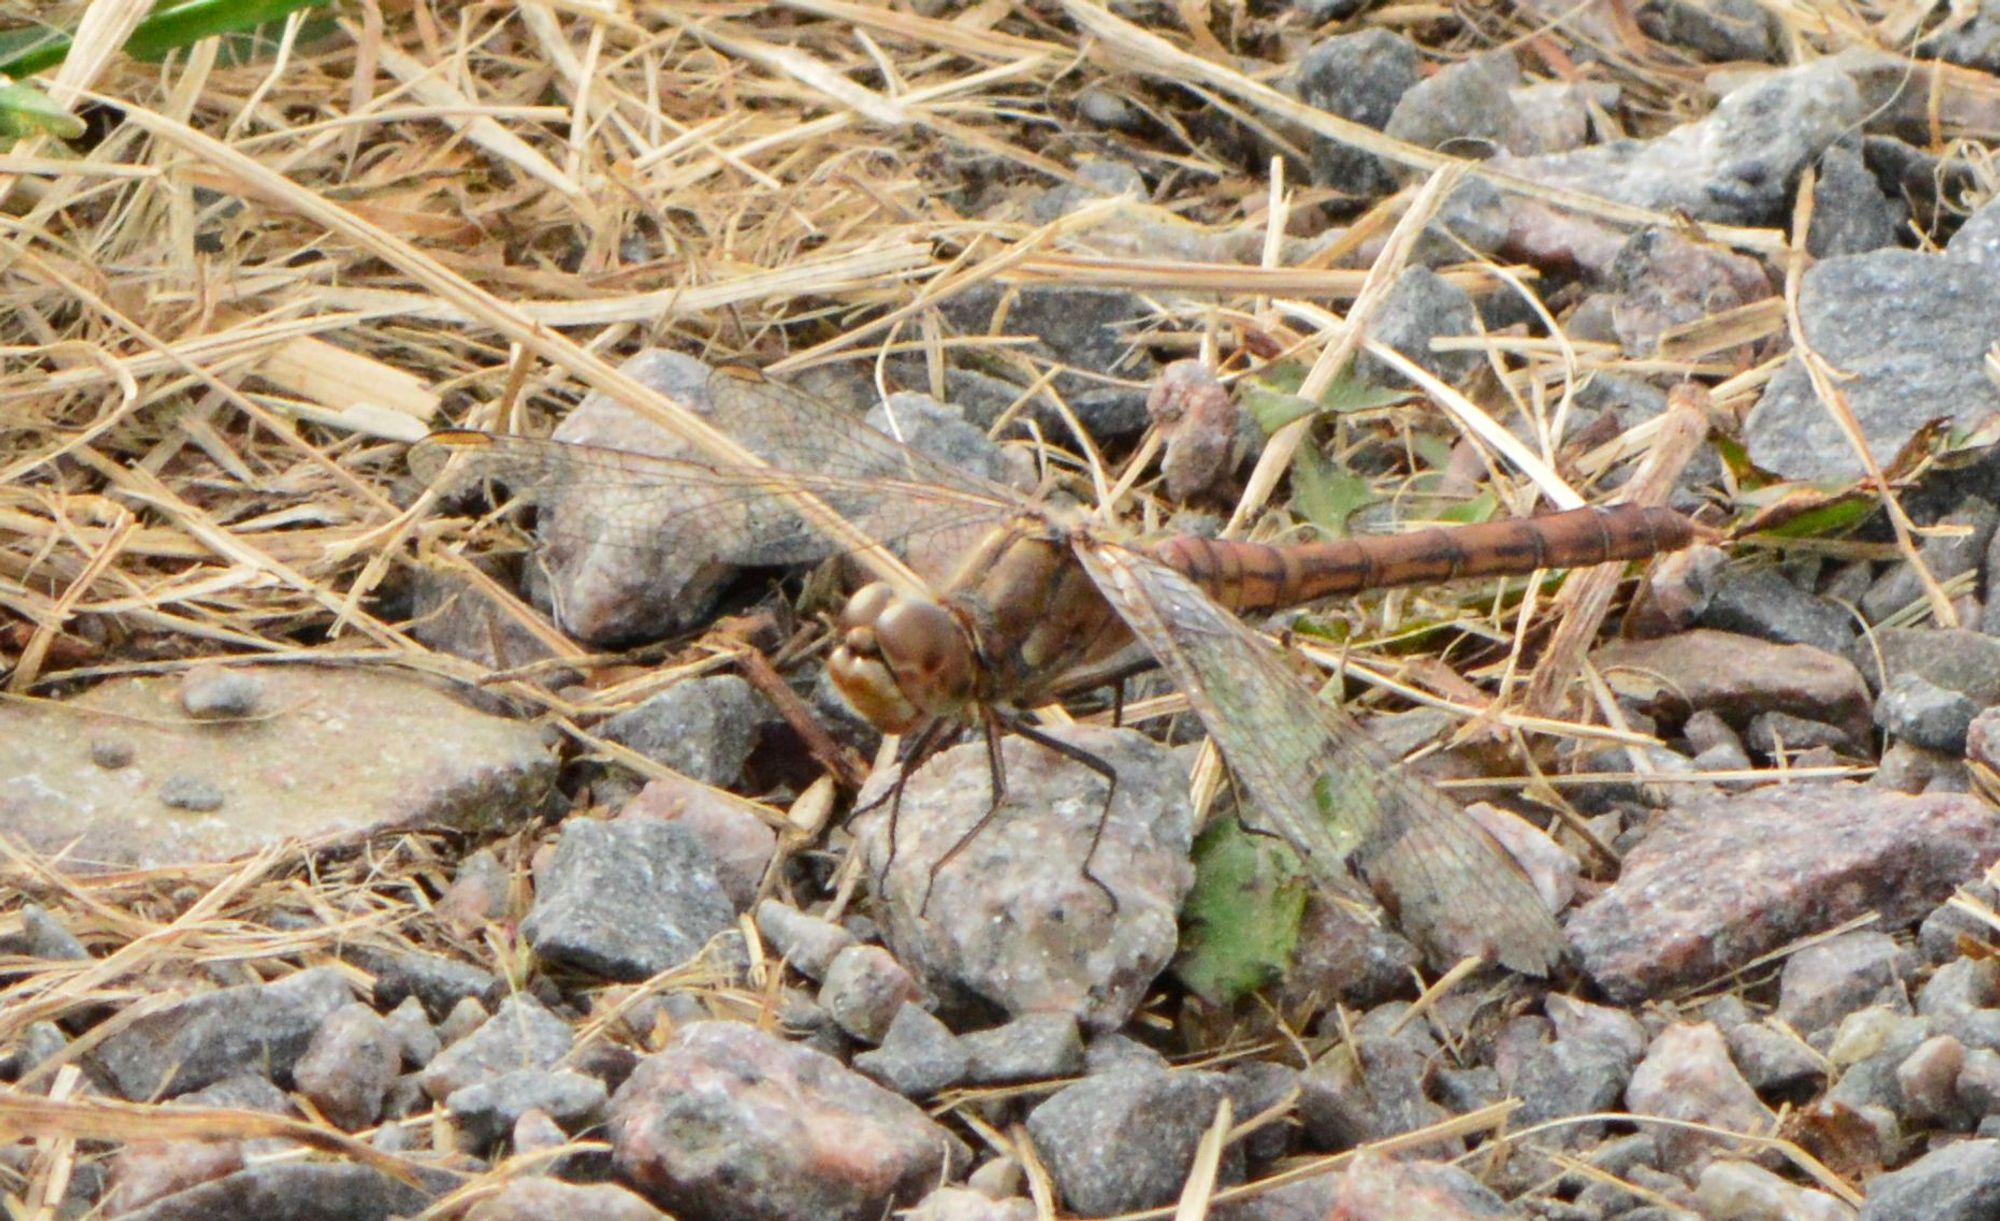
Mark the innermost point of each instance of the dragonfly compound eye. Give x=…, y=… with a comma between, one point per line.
x=926, y=650
x=868, y=604
x=899, y=661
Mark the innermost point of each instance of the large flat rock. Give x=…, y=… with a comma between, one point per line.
x=124, y=775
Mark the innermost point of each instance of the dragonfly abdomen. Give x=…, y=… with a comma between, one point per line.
x=1260, y=576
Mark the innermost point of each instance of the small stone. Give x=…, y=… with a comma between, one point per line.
x=1963, y=540
x=1666, y=280
x=439, y=983
x=1946, y=928
x=807, y=942
x=1914, y=709
x=142, y=1171
x=184, y=792
x=520, y=1034
x=1687, y=1075
x=1376, y=1186
x=1959, y=1182
x=42, y=936
x=406, y=1099
x=1036, y=1047
x=358, y=1190
x=1721, y=31
x=627, y=900
x=704, y=729
x=1467, y=108
x=1124, y=1140
x=918, y=1056
x=1823, y=983
x=1107, y=1052
x=1773, y=1059
x=1959, y=985
x=1011, y=919
x=1955, y=659
x=536, y=1132
x=538, y=1199
x=1978, y=1086
x=416, y=1039
x=1895, y=321
x=111, y=753
x=1761, y=602
x=1745, y=1191
x=1721, y=880
x=964, y=1204
x=1929, y=1079
x=1875, y=1032
x=739, y=841
x=1371, y=1089
x=350, y=1065
x=1341, y=957
x=1105, y=109
x=487, y=1110
x=477, y=896
x=210, y=692
x=1258, y=1086
x=1780, y=733
x=1359, y=77
x=730, y=1121
x=1906, y=767
x=865, y=987
x=1420, y=307
x=1738, y=677
x=465, y=1017
x=1586, y=1068
x=198, y=1041
x=38, y=1043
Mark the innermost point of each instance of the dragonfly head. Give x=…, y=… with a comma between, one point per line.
x=900, y=661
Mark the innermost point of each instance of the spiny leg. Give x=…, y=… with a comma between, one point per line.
x=999, y=781
x=1077, y=754
x=997, y=768
x=910, y=756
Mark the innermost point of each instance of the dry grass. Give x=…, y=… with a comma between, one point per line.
x=226, y=318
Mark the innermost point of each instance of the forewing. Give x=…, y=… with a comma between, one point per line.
x=744, y=515
x=794, y=431
x=1307, y=768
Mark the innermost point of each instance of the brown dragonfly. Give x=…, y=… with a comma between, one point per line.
x=1043, y=595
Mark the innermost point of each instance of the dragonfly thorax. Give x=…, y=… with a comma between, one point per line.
x=901, y=661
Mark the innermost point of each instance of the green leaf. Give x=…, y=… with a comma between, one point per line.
x=1273, y=409
x=173, y=24
x=27, y=111
x=1335, y=632
x=1273, y=399
x=1327, y=495
x=1736, y=458
x=1241, y=922
x=1433, y=451
x=1352, y=394
x=1829, y=520
x=1469, y=512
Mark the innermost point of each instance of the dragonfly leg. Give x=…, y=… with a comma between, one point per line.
x=909, y=757
x=997, y=768
x=1078, y=754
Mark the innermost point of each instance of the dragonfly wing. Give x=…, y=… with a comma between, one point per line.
x=739, y=514
x=793, y=430
x=1305, y=766
x=744, y=515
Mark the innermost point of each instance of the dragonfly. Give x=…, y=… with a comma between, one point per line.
x=1045, y=593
